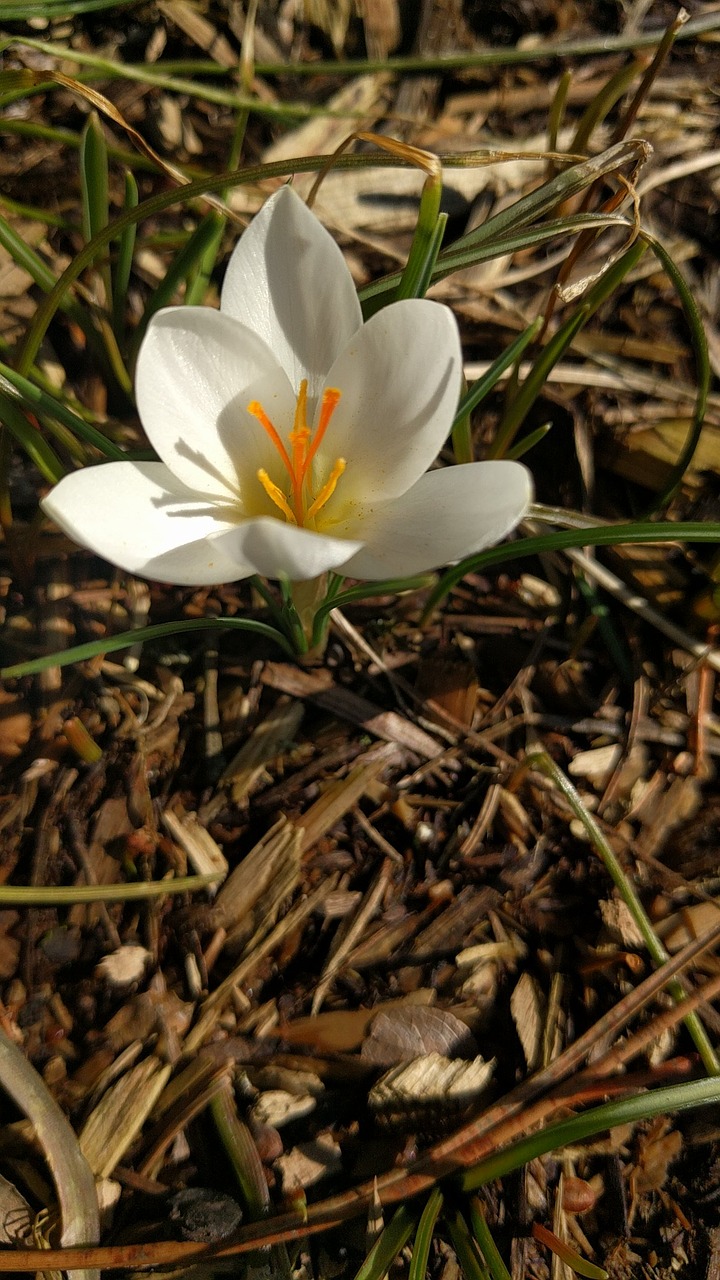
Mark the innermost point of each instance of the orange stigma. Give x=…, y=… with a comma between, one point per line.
x=298, y=505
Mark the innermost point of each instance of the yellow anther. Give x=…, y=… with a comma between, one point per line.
x=328, y=488
x=276, y=495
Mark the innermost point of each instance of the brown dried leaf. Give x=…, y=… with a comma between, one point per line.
x=408, y=1033
x=343, y=1030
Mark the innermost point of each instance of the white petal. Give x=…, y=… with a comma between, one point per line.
x=197, y=371
x=447, y=515
x=400, y=380
x=137, y=516
x=287, y=280
x=276, y=550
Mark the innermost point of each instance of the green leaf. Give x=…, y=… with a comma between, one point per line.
x=522, y=402
x=424, y=1236
x=31, y=440
x=388, y=1245
x=366, y=591
x=528, y=442
x=702, y=362
x=472, y=1266
x=603, y=102
x=484, y=385
x=126, y=639
x=94, y=188
x=609, y=535
x=187, y=260
x=123, y=263
x=15, y=386
x=424, y=239
x=485, y=1242
x=670, y=1100
x=53, y=9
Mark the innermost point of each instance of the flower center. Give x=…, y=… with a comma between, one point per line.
x=299, y=505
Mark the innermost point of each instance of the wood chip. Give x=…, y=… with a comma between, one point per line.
x=319, y=686
x=116, y=1122
x=264, y=878
x=428, y=1089
x=204, y=854
x=308, y=1163
x=527, y=1006
x=276, y=1107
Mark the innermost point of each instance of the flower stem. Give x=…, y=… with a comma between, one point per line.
x=306, y=597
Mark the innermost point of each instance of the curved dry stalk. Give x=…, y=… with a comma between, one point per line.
x=74, y=1183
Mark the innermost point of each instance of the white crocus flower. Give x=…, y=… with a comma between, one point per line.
x=294, y=438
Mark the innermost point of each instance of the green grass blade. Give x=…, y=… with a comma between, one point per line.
x=427, y=267
x=702, y=361
x=604, y=536
x=30, y=439
x=485, y=1242
x=516, y=55
x=528, y=442
x=50, y=9
x=670, y=1100
x=545, y=198
x=528, y=393
x=603, y=102
x=556, y=114
x=484, y=385
x=388, y=1245
x=423, y=239
x=14, y=385
x=460, y=255
x=95, y=191
x=26, y=257
x=542, y=761
x=367, y=591
x=472, y=1266
x=183, y=263
x=123, y=263
x=199, y=276
x=424, y=1236
x=21, y=895
x=158, y=631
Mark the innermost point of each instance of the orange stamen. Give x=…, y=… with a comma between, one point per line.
x=257, y=411
x=299, y=439
x=331, y=397
x=328, y=488
x=276, y=495
x=304, y=447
